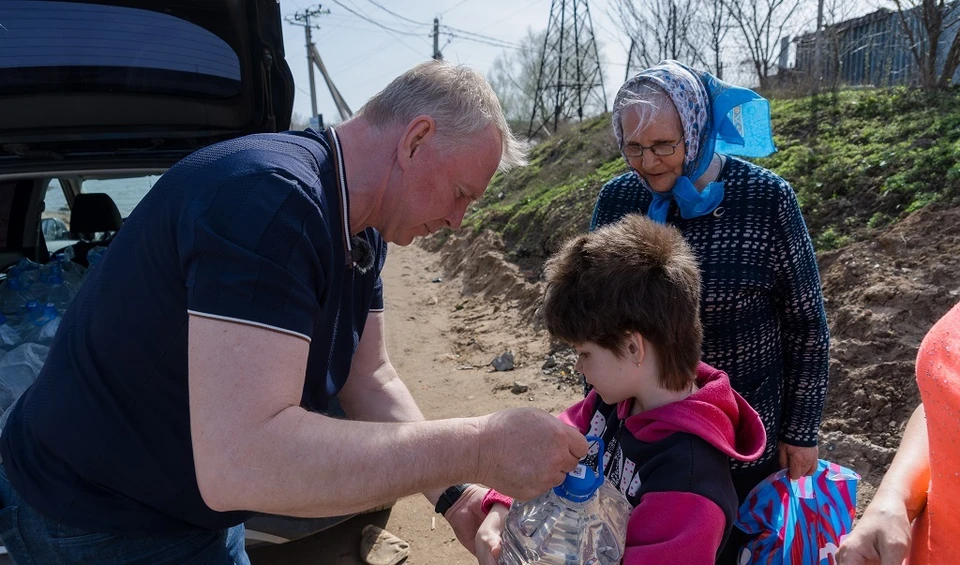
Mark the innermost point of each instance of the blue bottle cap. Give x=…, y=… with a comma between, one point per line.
x=581, y=483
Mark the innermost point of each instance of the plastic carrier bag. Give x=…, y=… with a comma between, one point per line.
x=799, y=522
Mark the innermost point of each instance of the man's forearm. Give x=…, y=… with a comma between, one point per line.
x=305, y=464
x=391, y=401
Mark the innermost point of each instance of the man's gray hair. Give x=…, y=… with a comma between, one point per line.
x=645, y=97
x=458, y=98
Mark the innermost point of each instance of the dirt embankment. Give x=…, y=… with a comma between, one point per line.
x=882, y=295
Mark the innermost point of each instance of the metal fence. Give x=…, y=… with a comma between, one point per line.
x=872, y=50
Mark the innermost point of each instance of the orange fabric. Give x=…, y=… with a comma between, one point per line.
x=937, y=531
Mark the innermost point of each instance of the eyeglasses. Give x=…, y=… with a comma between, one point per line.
x=660, y=150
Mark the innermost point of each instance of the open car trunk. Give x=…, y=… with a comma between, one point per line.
x=139, y=83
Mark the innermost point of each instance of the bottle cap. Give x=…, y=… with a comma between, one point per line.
x=581, y=483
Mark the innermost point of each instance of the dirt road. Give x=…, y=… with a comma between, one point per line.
x=441, y=343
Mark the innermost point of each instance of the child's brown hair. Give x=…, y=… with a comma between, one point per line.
x=632, y=276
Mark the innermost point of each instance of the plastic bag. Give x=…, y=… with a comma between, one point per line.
x=799, y=522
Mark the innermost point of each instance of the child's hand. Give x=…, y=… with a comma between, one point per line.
x=488, y=536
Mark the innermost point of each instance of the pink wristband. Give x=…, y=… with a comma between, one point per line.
x=493, y=497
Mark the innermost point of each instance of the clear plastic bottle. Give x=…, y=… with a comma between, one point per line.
x=94, y=256
x=9, y=336
x=40, y=323
x=18, y=370
x=72, y=272
x=60, y=293
x=581, y=522
x=13, y=294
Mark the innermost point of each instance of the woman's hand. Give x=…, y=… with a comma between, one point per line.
x=798, y=461
x=488, y=535
x=881, y=537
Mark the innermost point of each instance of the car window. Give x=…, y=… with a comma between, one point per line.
x=55, y=219
x=125, y=192
x=50, y=46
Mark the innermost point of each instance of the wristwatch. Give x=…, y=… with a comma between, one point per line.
x=449, y=498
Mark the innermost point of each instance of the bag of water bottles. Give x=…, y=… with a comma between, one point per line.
x=583, y=521
x=799, y=522
x=33, y=298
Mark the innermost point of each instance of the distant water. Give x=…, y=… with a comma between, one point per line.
x=127, y=193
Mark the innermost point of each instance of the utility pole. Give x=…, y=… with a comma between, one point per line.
x=313, y=60
x=303, y=18
x=437, y=55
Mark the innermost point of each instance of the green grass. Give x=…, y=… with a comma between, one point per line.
x=859, y=160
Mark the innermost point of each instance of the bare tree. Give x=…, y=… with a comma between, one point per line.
x=925, y=23
x=662, y=29
x=762, y=25
x=834, y=13
x=713, y=25
x=513, y=77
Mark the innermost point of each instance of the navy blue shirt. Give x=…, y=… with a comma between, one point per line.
x=249, y=230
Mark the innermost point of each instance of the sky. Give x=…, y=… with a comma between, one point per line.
x=362, y=57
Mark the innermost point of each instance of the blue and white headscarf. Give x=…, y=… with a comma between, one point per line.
x=716, y=117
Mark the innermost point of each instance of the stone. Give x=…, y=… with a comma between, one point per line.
x=503, y=362
x=380, y=547
x=549, y=363
x=519, y=387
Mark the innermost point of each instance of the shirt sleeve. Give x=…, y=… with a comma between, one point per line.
x=250, y=253
x=674, y=528
x=805, y=334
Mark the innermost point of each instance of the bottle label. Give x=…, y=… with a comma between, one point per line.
x=580, y=472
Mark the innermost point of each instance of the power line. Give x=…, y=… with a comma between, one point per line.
x=375, y=22
x=483, y=41
x=457, y=5
x=392, y=13
x=478, y=36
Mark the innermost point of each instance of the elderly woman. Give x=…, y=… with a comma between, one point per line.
x=761, y=306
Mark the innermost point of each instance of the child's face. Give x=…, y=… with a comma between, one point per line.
x=615, y=379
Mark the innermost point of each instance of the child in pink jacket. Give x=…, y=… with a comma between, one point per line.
x=627, y=298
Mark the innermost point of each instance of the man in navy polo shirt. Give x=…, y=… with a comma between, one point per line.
x=184, y=387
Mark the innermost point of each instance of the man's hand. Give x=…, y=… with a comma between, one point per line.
x=465, y=516
x=489, y=535
x=881, y=537
x=525, y=452
x=799, y=461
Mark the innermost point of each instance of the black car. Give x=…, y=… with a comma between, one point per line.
x=99, y=97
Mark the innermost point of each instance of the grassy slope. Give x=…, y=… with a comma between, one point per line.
x=873, y=157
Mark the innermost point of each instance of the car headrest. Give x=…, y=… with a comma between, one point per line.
x=94, y=212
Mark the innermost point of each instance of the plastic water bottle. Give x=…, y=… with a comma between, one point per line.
x=18, y=370
x=29, y=270
x=94, y=256
x=60, y=293
x=72, y=272
x=40, y=323
x=13, y=294
x=9, y=336
x=581, y=522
